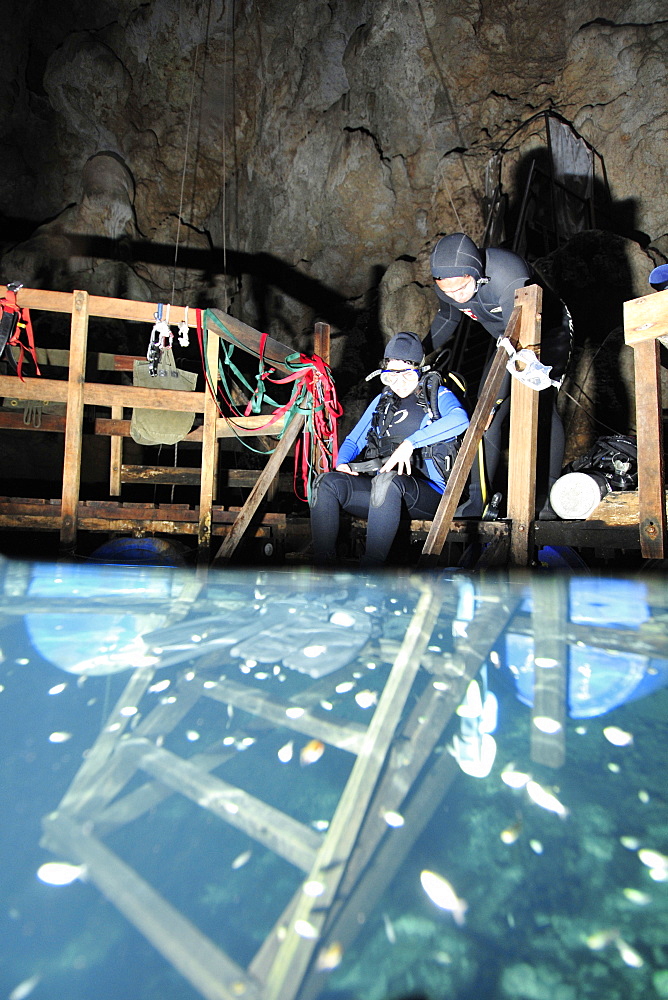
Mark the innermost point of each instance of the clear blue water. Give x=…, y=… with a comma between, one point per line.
x=560, y=907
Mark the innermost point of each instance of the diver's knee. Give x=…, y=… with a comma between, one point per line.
x=380, y=486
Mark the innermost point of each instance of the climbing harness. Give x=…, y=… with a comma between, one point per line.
x=161, y=339
x=14, y=319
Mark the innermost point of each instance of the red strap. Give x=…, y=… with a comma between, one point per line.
x=9, y=304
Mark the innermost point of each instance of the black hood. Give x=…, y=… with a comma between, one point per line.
x=456, y=256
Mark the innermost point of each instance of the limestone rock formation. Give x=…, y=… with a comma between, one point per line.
x=295, y=151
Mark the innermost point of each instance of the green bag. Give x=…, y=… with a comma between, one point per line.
x=152, y=427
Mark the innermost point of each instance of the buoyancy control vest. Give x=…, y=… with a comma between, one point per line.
x=381, y=444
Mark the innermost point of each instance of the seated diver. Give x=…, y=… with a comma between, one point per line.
x=408, y=439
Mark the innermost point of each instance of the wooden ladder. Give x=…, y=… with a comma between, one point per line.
x=346, y=868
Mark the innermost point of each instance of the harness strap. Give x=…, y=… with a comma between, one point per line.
x=24, y=322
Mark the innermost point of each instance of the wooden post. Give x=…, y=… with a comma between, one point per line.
x=321, y=342
x=116, y=455
x=649, y=429
x=645, y=320
x=209, y=470
x=550, y=652
x=523, y=435
x=466, y=456
x=74, y=420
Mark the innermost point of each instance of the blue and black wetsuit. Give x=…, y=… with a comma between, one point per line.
x=419, y=493
x=498, y=274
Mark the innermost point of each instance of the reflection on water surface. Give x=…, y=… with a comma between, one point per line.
x=277, y=785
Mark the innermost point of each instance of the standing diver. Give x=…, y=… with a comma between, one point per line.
x=482, y=284
x=409, y=438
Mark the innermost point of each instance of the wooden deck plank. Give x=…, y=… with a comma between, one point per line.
x=646, y=318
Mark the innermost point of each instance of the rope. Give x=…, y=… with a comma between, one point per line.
x=183, y=176
x=313, y=395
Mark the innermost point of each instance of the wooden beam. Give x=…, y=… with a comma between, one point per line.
x=646, y=318
x=254, y=426
x=523, y=435
x=235, y=332
x=270, y=470
x=294, y=952
x=346, y=736
x=74, y=420
x=100, y=306
x=467, y=453
x=649, y=429
x=116, y=460
x=209, y=460
x=285, y=836
x=550, y=654
x=103, y=394
x=208, y=969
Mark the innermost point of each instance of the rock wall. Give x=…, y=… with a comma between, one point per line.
x=303, y=148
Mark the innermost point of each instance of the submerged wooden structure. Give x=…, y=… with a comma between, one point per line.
x=616, y=525
x=400, y=765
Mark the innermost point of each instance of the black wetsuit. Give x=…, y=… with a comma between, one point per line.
x=491, y=306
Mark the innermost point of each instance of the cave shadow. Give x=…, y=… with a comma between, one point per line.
x=580, y=248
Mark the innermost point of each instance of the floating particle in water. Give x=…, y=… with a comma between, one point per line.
x=618, y=737
x=630, y=843
x=441, y=892
x=629, y=955
x=536, y=846
x=390, y=932
x=366, y=699
x=513, y=778
x=637, y=897
x=326, y=705
x=511, y=833
x=643, y=796
x=306, y=930
x=545, y=799
x=23, y=662
x=159, y=686
x=60, y=873
x=246, y=742
x=393, y=819
x=192, y=735
x=57, y=688
x=295, y=712
x=652, y=859
x=320, y=825
x=342, y=618
x=330, y=957
x=312, y=752
x=228, y=741
x=313, y=888
x=60, y=737
x=128, y=711
x=25, y=988
x=241, y=860
x=581, y=730
x=312, y=651
x=286, y=751
x=601, y=939
x=440, y=686
x=344, y=687
x=545, y=724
